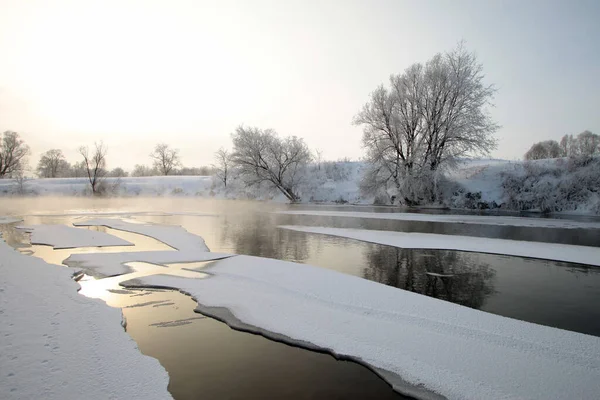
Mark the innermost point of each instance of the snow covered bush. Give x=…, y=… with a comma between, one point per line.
x=555, y=185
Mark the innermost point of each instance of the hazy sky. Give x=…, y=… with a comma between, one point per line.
x=134, y=73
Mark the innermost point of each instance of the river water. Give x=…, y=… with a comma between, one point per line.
x=205, y=358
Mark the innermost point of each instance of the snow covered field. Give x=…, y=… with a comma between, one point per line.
x=58, y=344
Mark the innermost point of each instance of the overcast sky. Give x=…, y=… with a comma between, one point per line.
x=134, y=73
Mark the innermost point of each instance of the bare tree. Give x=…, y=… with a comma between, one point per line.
x=52, y=164
x=165, y=158
x=223, y=165
x=543, y=150
x=262, y=156
x=95, y=164
x=431, y=115
x=588, y=144
x=13, y=153
x=318, y=158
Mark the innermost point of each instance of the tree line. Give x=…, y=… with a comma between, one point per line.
x=417, y=127
x=586, y=144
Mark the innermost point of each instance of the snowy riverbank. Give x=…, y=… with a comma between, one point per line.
x=58, y=344
x=554, y=185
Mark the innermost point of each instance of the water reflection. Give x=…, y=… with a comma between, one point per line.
x=446, y=275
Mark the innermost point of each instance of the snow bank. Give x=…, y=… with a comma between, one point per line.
x=457, y=219
x=57, y=344
x=66, y=237
x=451, y=350
x=545, y=251
x=111, y=264
x=187, y=248
x=174, y=236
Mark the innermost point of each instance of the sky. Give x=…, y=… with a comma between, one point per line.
x=135, y=73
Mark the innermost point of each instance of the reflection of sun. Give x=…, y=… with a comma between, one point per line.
x=106, y=288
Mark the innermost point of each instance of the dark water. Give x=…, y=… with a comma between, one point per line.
x=207, y=359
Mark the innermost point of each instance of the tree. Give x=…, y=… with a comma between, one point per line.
x=319, y=158
x=566, y=146
x=52, y=164
x=78, y=170
x=143, y=170
x=165, y=158
x=262, y=156
x=117, y=173
x=95, y=164
x=588, y=144
x=223, y=165
x=430, y=116
x=543, y=150
x=13, y=153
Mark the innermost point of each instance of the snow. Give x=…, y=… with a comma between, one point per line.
x=411, y=240
x=187, y=247
x=58, y=344
x=9, y=220
x=174, y=236
x=110, y=264
x=448, y=349
x=457, y=219
x=66, y=237
x=485, y=176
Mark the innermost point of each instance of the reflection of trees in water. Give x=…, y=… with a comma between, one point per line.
x=12, y=236
x=256, y=234
x=447, y=275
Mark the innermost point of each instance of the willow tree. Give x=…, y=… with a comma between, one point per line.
x=429, y=116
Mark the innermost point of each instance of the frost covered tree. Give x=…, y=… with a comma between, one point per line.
x=544, y=150
x=588, y=144
x=262, y=156
x=95, y=164
x=13, y=154
x=223, y=165
x=52, y=164
x=165, y=158
x=428, y=117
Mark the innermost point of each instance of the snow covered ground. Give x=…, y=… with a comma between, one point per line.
x=410, y=240
x=434, y=346
x=58, y=344
x=66, y=237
